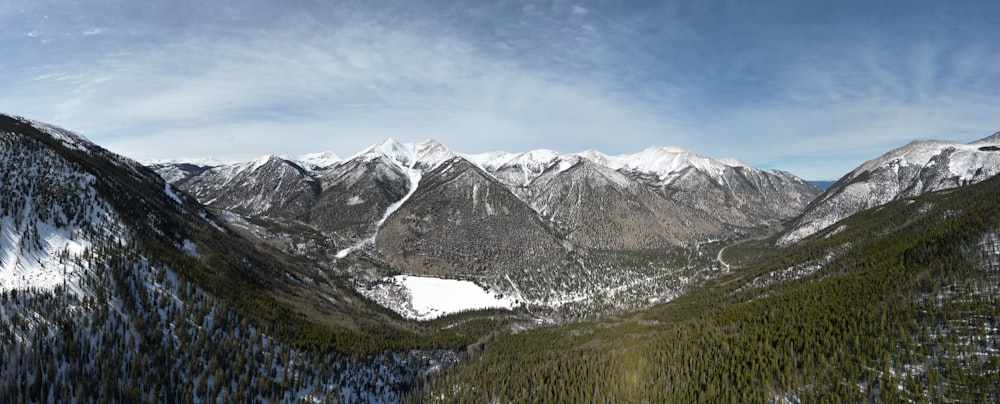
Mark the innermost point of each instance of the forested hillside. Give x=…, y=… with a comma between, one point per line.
x=895, y=303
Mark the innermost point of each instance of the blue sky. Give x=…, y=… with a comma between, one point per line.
x=810, y=87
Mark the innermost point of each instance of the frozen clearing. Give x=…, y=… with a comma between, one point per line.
x=424, y=298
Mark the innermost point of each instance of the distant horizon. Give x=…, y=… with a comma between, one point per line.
x=811, y=88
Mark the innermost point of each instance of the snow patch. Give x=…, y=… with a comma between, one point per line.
x=425, y=298
x=170, y=192
x=361, y=244
x=355, y=200
x=261, y=161
x=69, y=139
x=42, y=268
x=190, y=249
x=318, y=160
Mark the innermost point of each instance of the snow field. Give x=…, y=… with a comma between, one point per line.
x=426, y=298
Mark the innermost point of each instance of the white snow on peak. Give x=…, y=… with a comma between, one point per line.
x=522, y=168
x=425, y=155
x=918, y=167
x=69, y=139
x=318, y=160
x=993, y=139
x=665, y=161
x=538, y=156
x=534, y=160
x=489, y=160
x=734, y=162
x=965, y=157
x=261, y=161
x=430, y=153
x=389, y=149
x=601, y=158
x=662, y=161
x=201, y=162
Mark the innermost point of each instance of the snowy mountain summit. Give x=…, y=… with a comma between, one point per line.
x=916, y=168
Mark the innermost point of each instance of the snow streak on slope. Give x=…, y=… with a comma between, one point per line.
x=414, y=176
x=425, y=298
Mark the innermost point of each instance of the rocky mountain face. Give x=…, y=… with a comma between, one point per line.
x=911, y=170
x=267, y=186
x=461, y=222
x=738, y=194
x=600, y=208
x=729, y=191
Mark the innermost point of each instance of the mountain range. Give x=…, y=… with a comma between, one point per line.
x=514, y=223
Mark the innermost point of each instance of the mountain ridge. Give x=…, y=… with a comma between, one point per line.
x=918, y=167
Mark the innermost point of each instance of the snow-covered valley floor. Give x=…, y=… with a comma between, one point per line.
x=425, y=298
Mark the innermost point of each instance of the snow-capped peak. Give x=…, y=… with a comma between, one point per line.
x=318, y=160
x=425, y=155
x=664, y=161
x=489, y=160
x=916, y=168
x=993, y=139
x=262, y=161
x=201, y=162
x=916, y=153
x=601, y=158
x=389, y=149
x=431, y=153
x=537, y=157
x=734, y=162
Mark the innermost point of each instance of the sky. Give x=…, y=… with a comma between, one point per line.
x=811, y=87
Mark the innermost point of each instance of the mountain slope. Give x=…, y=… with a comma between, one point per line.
x=728, y=190
x=901, y=305
x=911, y=170
x=735, y=193
x=599, y=208
x=461, y=222
x=267, y=186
